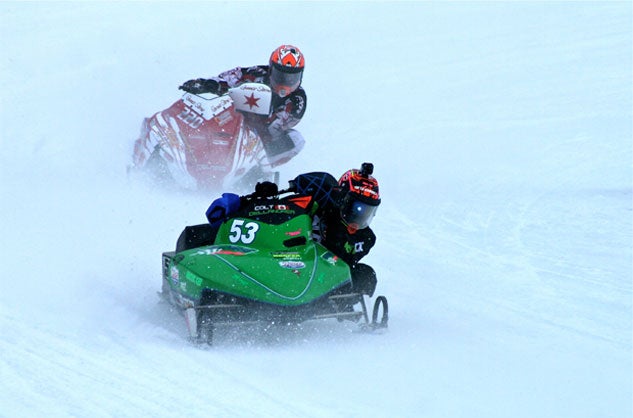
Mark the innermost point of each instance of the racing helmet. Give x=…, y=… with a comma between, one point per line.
x=361, y=199
x=286, y=69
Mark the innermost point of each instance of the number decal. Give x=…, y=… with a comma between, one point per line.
x=252, y=229
x=237, y=233
x=190, y=118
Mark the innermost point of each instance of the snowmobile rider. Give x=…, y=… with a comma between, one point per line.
x=341, y=214
x=283, y=74
x=341, y=220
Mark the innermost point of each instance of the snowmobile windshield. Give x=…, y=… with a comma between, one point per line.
x=284, y=80
x=358, y=213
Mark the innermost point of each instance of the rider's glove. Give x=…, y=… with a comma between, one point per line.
x=201, y=85
x=192, y=86
x=222, y=207
x=266, y=189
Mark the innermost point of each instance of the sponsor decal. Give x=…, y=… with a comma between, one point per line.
x=255, y=87
x=193, y=104
x=330, y=257
x=356, y=249
x=292, y=264
x=174, y=274
x=226, y=250
x=207, y=109
x=271, y=209
x=221, y=106
x=193, y=278
x=287, y=255
x=223, y=118
x=366, y=191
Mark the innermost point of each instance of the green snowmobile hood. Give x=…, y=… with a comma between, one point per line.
x=277, y=264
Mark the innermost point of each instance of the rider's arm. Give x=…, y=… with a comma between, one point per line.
x=220, y=85
x=351, y=248
x=287, y=111
x=234, y=77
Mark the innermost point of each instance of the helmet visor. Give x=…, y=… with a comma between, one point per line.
x=358, y=213
x=284, y=83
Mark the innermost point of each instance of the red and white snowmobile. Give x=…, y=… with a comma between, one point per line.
x=201, y=142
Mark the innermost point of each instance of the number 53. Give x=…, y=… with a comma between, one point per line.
x=237, y=233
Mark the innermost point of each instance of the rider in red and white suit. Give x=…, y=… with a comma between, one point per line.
x=283, y=74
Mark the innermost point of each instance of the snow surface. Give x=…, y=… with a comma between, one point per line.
x=501, y=135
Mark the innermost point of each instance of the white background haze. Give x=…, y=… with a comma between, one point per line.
x=501, y=135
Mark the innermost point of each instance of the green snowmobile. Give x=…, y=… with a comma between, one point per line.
x=261, y=265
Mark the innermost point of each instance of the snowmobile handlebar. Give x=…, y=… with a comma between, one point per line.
x=267, y=189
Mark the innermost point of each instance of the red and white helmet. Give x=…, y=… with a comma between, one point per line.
x=362, y=197
x=286, y=69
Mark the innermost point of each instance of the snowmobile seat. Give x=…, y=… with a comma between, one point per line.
x=196, y=236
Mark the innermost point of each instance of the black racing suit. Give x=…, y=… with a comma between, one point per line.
x=330, y=230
